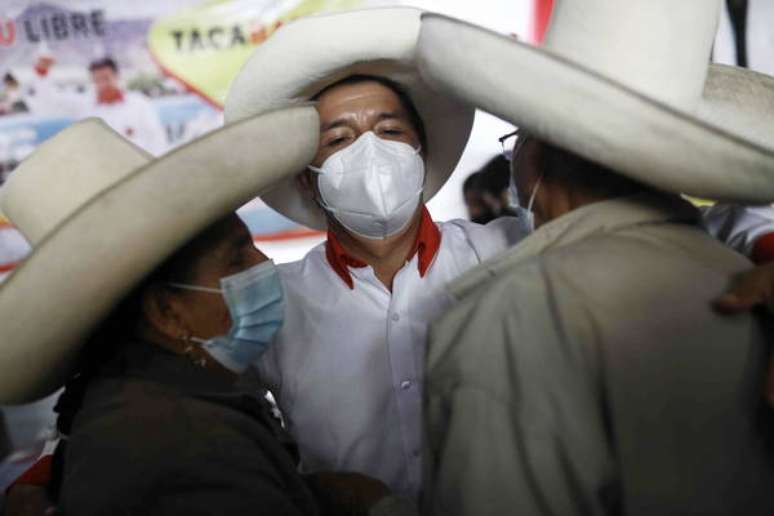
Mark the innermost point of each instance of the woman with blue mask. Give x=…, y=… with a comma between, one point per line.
x=155, y=417
x=189, y=330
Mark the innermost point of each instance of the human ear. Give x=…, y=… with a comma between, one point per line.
x=492, y=202
x=305, y=184
x=162, y=312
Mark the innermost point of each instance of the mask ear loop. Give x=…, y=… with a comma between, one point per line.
x=421, y=190
x=534, y=193
x=418, y=151
x=320, y=201
x=195, y=288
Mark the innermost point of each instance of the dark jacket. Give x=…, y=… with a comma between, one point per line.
x=158, y=435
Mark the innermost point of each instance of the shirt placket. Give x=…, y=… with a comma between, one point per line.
x=406, y=382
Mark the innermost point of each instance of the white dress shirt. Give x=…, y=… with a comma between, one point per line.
x=133, y=117
x=347, y=365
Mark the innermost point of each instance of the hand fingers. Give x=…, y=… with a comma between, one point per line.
x=749, y=289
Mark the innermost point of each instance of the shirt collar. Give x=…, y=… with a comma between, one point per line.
x=112, y=96
x=597, y=218
x=426, y=247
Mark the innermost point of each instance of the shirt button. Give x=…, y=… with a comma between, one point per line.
x=405, y=384
x=395, y=317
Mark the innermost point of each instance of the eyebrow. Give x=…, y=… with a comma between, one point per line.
x=389, y=116
x=343, y=122
x=339, y=122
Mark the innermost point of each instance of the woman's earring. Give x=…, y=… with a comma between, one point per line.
x=185, y=337
x=190, y=351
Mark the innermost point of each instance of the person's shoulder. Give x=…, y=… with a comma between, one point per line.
x=312, y=258
x=139, y=428
x=634, y=254
x=136, y=97
x=479, y=328
x=486, y=240
x=123, y=408
x=502, y=227
x=150, y=420
x=311, y=271
x=153, y=435
x=606, y=278
x=489, y=298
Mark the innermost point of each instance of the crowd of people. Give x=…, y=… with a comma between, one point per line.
x=589, y=342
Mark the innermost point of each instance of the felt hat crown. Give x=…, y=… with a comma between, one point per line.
x=626, y=84
x=659, y=48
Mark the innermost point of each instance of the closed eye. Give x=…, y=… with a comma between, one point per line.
x=336, y=141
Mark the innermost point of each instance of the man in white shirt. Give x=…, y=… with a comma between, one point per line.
x=348, y=361
x=129, y=113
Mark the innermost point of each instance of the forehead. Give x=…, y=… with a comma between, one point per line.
x=357, y=98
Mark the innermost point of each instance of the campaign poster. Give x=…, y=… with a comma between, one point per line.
x=156, y=72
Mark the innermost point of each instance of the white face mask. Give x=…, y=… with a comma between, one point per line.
x=373, y=186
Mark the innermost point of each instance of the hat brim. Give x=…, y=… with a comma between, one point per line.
x=741, y=101
x=306, y=56
x=591, y=115
x=82, y=269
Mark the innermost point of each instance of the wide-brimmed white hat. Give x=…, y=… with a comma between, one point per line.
x=623, y=83
x=306, y=56
x=101, y=214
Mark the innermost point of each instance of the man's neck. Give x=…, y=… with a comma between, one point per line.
x=559, y=199
x=386, y=256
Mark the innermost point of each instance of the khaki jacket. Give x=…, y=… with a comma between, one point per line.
x=585, y=372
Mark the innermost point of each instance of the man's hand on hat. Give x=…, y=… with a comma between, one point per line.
x=753, y=289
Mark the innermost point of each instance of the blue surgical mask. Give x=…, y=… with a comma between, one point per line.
x=255, y=302
x=525, y=215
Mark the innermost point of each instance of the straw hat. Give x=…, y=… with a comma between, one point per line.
x=304, y=57
x=626, y=84
x=101, y=214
